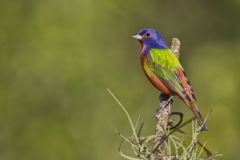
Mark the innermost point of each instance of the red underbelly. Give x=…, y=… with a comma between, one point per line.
x=152, y=77
x=158, y=84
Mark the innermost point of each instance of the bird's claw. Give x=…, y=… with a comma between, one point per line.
x=165, y=100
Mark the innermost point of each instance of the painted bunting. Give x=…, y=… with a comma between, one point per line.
x=164, y=70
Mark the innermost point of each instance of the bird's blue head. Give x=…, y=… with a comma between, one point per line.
x=150, y=38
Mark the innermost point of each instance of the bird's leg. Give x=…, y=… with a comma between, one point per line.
x=165, y=99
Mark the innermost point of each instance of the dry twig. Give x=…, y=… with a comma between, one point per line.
x=163, y=114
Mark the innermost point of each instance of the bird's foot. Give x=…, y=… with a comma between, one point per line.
x=165, y=100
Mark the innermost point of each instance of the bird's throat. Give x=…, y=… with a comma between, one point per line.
x=141, y=42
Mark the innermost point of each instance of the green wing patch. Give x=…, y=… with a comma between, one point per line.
x=166, y=66
x=164, y=63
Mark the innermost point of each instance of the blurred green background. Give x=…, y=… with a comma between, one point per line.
x=58, y=57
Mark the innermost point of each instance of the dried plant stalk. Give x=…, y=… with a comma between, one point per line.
x=163, y=113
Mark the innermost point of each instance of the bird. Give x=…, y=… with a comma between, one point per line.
x=165, y=72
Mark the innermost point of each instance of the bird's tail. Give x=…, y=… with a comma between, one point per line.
x=200, y=120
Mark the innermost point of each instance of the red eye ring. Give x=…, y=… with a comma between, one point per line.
x=147, y=35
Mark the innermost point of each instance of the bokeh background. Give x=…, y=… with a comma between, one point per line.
x=58, y=57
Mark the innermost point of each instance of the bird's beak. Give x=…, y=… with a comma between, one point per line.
x=137, y=36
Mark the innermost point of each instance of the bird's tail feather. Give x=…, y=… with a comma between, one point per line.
x=198, y=115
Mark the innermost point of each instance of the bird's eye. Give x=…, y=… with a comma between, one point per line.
x=147, y=34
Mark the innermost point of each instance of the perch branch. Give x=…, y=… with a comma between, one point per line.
x=163, y=113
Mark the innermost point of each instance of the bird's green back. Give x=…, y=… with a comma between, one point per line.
x=163, y=63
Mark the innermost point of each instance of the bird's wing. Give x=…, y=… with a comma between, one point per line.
x=168, y=69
